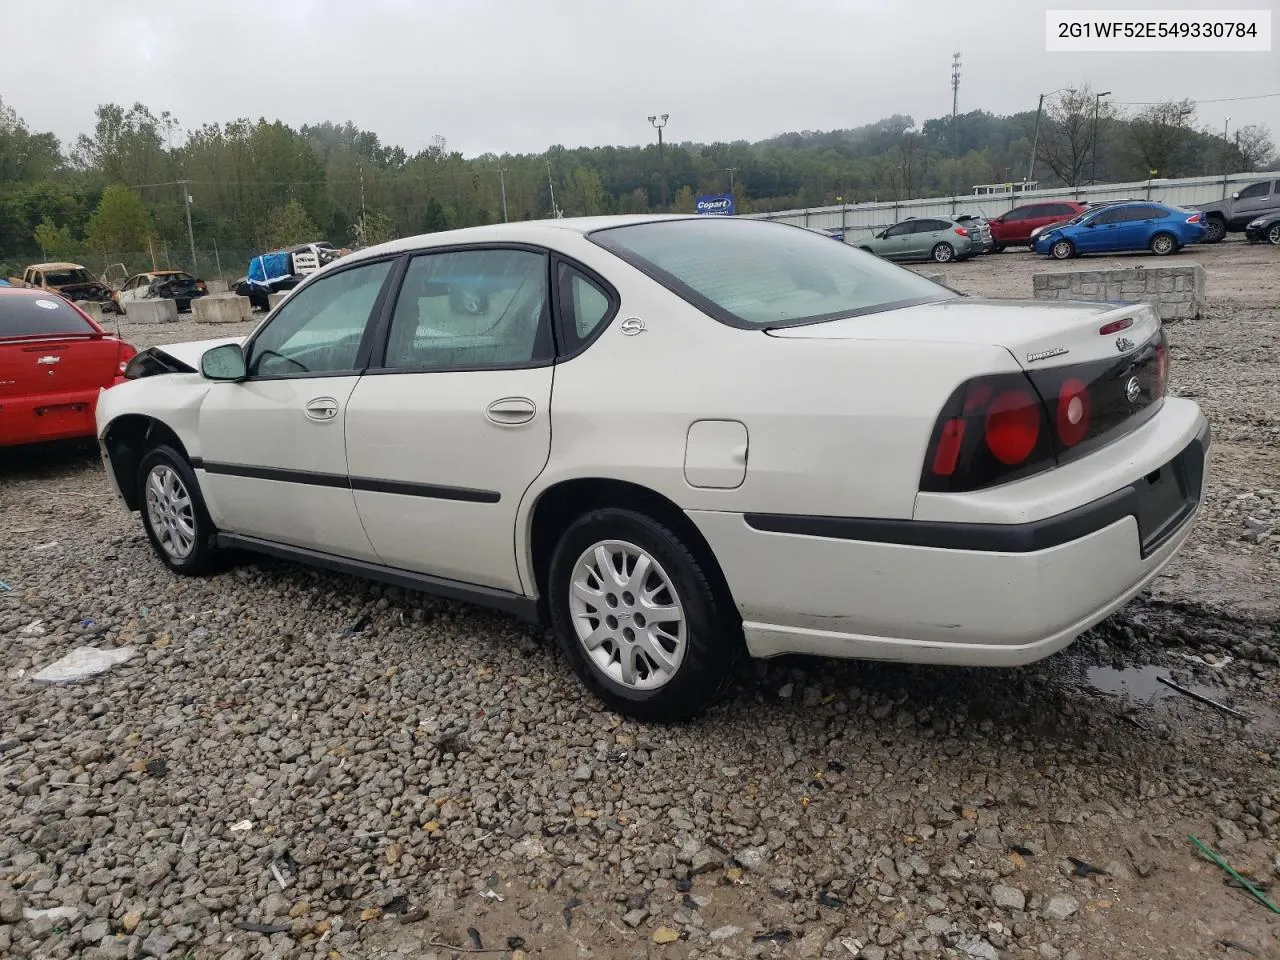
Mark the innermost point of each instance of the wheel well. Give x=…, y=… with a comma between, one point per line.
x=128, y=438
x=563, y=503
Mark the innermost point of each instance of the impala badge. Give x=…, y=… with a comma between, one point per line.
x=631, y=326
x=1046, y=354
x=1124, y=344
x=1132, y=389
x=49, y=359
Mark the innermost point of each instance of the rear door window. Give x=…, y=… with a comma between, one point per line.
x=45, y=316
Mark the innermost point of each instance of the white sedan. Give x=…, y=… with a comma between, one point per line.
x=675, y=439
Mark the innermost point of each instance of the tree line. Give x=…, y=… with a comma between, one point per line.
x=120, y=193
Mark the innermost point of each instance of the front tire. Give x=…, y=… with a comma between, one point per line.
x=635, y=614
x=1216, y=229
x=1062, y=250
x=943, y=253
x=174, y=514
x=1273, y=234
x=1163, y=244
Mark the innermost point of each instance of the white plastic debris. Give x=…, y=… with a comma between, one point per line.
x=242, y=826
x=54, y=913
x=83, y=662
x=34, y=629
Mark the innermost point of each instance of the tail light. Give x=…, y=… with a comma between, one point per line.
x=201, y=287
x=1006, y=426
x=1115, y=326
x=125, y=353
x=1195, y=218
x=961, y=232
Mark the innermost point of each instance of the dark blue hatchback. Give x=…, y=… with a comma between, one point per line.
x=1121, y=227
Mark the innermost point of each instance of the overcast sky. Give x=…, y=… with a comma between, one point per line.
x=518, y=75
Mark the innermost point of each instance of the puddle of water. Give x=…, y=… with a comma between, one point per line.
x=1131, y=683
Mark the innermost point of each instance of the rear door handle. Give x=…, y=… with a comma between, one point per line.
x=322, y=408
x=510, y=411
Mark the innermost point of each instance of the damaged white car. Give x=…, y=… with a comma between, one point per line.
x=676, y=439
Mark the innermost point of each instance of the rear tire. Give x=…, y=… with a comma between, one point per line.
x=998, y=248
x=1062, y=250
x=943, y=253
x=1163, y=244
x=174, y=514
x=650, y=641
x=1273, y=234
x=1215, y=230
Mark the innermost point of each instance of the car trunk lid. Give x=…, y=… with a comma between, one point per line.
x=48, y=346
x=1039, y=334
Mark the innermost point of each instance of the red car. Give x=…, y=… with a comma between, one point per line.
x=53, y=361
x=1015, y=227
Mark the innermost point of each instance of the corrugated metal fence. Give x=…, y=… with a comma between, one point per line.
x=861, y=219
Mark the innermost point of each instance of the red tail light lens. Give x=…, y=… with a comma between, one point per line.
x=947, y=453
x=1013, y=426
x=1115, y=326
x=1073, y=412
x=1194, y=219
x=961, y=232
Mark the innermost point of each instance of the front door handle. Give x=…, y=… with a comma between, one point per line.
x=322, y=408
x=511, y=410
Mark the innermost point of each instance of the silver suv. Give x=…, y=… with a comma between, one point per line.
x=926, y=238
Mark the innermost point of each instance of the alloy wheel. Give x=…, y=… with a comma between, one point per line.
x=627, y=615
x=171, y=512
x=1062, y=250
x=1273, y=235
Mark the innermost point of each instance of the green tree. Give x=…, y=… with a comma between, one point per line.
x=1159, y=134
x=377, y=228
x=289, y=225
x=56, y=243
x=120, y=224
x=684, y=200
x=586, y=193
x=434, y=218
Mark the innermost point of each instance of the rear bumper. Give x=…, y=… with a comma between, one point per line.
x=979, y=594
x=38, y=418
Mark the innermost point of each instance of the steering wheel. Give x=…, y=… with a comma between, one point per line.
x=265, y=354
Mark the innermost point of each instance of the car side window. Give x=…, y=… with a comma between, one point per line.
x=471, y=309
x=1255, y=190
x=899, y=229
x=1110, y=216
x=584, y=306
x=1033, y=212
x=319, y=328
x=1147, y=213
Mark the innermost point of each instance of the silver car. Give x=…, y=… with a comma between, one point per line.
x=923, y=239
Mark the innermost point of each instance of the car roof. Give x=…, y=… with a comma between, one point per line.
x=57, y=265
x=12, y=291
x=544, y=232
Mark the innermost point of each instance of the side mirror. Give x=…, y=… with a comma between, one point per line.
x=1235, y=196
x=224, y=363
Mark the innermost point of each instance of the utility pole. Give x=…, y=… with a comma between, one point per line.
x=555, y=212
x=658, y=123
x=1035, y=141
x=731, y=169
x=364, y=231
x=955, y=101
x=502, y=179
x=191, y=237
x=1226, y=156
x=1097, y=100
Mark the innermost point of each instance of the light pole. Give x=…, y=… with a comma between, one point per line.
x=731, y=169
x=1226, y=156
x=1097, y=101
x=1035, y=137
x=658, y=122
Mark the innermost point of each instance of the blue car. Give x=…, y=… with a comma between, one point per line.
x=1121, y=227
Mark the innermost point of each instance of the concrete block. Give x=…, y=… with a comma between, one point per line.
x=1164, y=285
x=1113, y=291
x=935, y=277
x=92, y=309
x=1060, y=282
x=152, y=311
x=273, y=299
x=1181, y=283
x=217, y=286
x=224, y=308
x=1089, y=289
x=1133, y=288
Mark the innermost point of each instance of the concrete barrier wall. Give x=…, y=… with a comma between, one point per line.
x=221, y=308
x=1177, y=292
x=92, y=309
x=273, y=299
x=152, y=311
x=216, y=286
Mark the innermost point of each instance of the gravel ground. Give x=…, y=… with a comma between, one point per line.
x=295, y=764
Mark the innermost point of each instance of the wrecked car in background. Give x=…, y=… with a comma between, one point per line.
x=72, y=281
x=176, y=285
x=283, y=270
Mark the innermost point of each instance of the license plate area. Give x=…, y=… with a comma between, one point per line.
x=1168, y=496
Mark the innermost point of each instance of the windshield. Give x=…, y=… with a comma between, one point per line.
x=60, y=278
x=756, y=274
x=23, y=316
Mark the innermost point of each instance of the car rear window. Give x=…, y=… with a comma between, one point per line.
x=756, y=274
x=23, y=316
